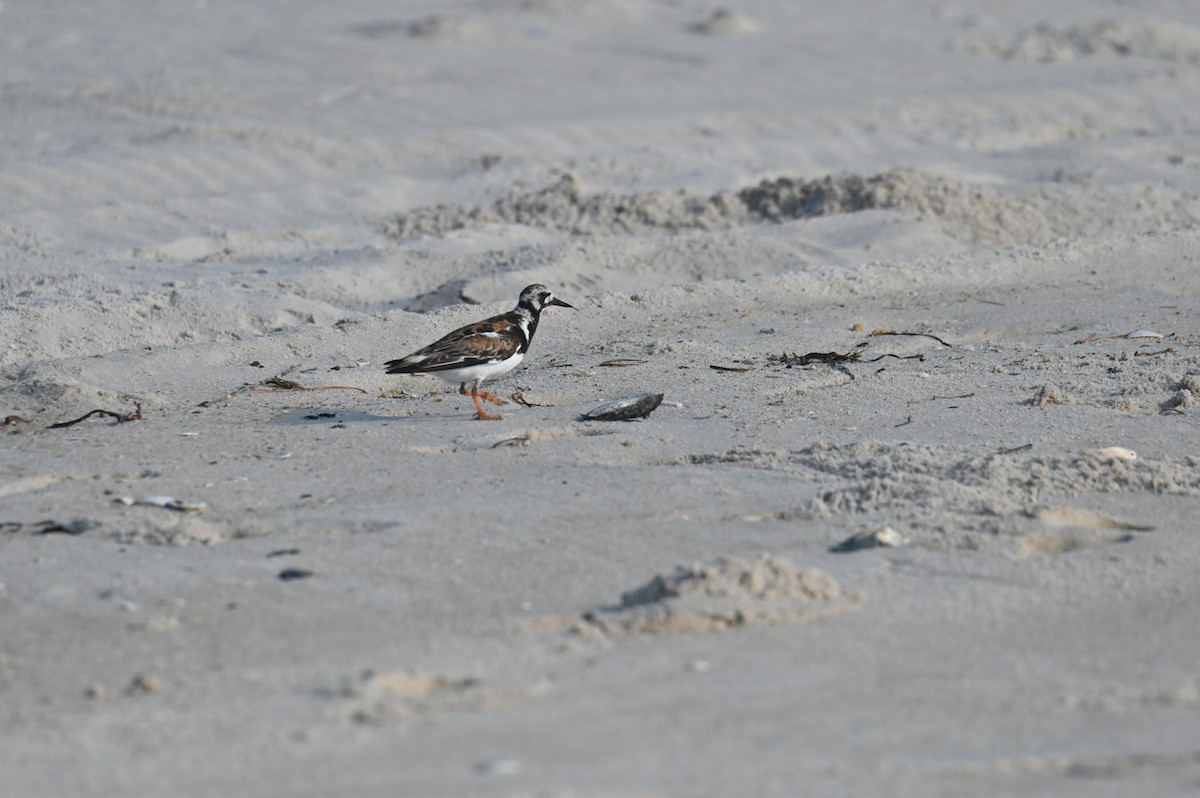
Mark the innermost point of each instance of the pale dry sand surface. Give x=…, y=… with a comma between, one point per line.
x=958, y=559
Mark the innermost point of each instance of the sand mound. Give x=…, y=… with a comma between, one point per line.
x=43, y=397
x=168, y=528
x=951, y=490
x=717, y=596
x=887, y=475
x=77, y=315
x=380, y=698
x=563, y=207
x=972, y=212
x=1046, y=43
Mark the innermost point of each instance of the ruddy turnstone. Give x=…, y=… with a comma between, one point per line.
x=483, y=350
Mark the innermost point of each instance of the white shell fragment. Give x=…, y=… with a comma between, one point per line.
x=1145, y=334
x=885, y=537
x=626, y=409
x=1114, y=453
x=166, y=502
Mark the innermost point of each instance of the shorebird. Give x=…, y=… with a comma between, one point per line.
x=483, y=350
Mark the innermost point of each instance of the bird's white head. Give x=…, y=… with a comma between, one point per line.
x=537, y=297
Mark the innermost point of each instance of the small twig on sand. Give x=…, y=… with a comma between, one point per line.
x=920, y=334
x=898, y=357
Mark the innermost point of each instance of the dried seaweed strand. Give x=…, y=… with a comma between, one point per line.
x=898, y=357
x=520, y=398
x=819, y=357
x=120, y=417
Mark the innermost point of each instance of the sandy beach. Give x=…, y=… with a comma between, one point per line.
x=918, y=282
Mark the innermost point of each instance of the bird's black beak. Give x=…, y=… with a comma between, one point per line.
x=560, y=303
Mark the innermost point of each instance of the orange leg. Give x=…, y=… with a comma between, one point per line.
x=491, y=397
x=474, y=393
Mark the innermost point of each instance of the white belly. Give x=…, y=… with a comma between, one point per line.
x=487, y=371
